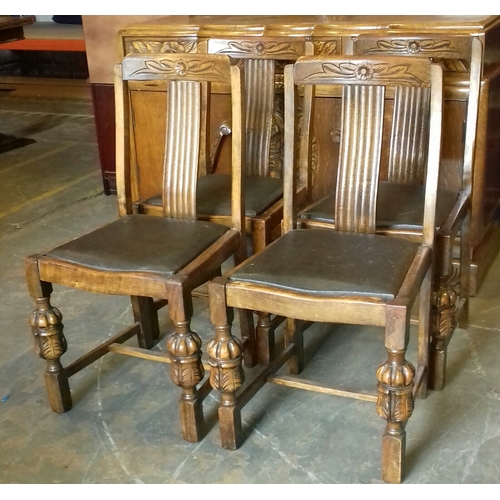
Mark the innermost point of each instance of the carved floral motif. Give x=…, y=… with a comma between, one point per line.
x=364, y=71
x=413, y=46
x=179, y=67
x=260, y=48
x=405, y=46
x=159, y=47
x=325, y=48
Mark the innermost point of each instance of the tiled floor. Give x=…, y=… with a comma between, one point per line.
x=124, y=427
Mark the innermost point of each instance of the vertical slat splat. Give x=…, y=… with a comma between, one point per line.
x=182, y=149
x=359, y=160
x=259, y=83
x=409, y=136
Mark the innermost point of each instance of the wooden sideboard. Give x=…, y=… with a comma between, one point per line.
x=340, y=34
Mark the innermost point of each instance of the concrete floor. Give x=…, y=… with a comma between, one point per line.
x=124, y=426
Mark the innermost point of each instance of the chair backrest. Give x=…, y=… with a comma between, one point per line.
x=188, y=78
x=260, y=57
x=460, y=54
x=364, y=85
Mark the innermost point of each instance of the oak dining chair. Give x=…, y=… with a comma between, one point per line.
x=157, y=261
x=348, y=274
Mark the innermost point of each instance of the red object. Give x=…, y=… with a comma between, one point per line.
x=65, y=45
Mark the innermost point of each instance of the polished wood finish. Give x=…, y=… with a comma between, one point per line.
x=341, y=34
x=358, y=173
x=136, y=254
x=285, y=280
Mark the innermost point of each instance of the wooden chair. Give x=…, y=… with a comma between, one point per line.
x=401, y=197
x=347, y=275
x=155, y=260
x=260, y=58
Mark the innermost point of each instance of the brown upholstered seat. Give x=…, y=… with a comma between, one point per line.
x=321, y=263
x=141, y=243
x=399, y=206
x=213, y=195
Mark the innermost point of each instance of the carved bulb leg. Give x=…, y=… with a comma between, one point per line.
x=226, y=376
x=443, y=323
x=395, y=404
x=186, y=371
x=50, y=344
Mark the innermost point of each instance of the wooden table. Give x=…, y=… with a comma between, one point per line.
x=339, y=33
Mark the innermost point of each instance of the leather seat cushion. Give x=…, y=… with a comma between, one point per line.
x=141, y=243
x=399, y=206
x=325, y=262
x=213, y=196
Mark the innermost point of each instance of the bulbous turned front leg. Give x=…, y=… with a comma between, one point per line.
x=443, y=323
x=186, y=371
x=395, y=404
x=50, y=344
x=227, y=376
